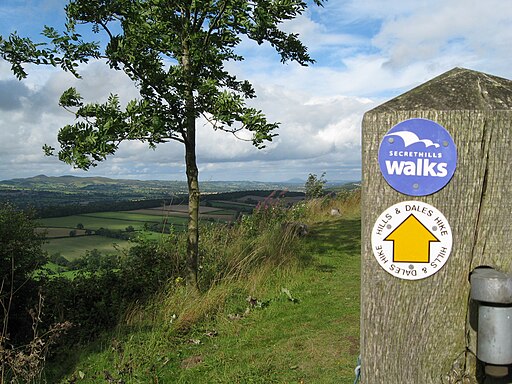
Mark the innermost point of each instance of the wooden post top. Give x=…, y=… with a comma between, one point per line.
x=457, y=89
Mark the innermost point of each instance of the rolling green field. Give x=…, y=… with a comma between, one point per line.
x=71, y=247
x=110, y=220
x=229, y=204
x=74, y=247
x=51, y=232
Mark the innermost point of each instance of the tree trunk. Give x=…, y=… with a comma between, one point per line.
x=192, y=174
x=193, y=213
x=193, y=194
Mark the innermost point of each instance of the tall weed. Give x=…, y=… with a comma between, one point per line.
x=233, y=252
x=232, y=258
x=25, y=363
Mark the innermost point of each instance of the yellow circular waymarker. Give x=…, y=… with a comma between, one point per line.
x=411, y=240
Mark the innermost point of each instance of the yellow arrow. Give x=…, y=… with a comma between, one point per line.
x=411, y=241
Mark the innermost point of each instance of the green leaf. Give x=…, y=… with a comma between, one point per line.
x=70, y=98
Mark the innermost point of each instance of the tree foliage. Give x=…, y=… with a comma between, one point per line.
x=21, y=254
x=175, y=53
x=314, y=186
x=21, y=251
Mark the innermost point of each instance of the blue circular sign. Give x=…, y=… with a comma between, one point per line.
x=417, y=157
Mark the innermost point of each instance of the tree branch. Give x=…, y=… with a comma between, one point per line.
x=213, y=25
x=233, y=131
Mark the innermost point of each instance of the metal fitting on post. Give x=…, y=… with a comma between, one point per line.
x=493, y=292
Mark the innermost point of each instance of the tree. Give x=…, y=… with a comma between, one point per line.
x=314, y=186
x=175, y=53
x=21, y=254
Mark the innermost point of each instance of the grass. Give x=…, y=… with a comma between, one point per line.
x=89, y=222
x=110, y=220
x=314, y=340
x=301, y=326
x=74, y=247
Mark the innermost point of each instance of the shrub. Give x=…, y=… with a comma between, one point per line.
x=314, y=186
x=58, y=259
x=21, y=254
x=23, y=343
x=105, y=286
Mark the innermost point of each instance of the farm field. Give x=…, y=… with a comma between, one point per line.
x=71, y=247
x=253, y=198
x=182, y=211
x=52, y=233
x=75, y=247
x=110, y=220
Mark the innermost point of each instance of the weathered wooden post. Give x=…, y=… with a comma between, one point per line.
x=424, y=231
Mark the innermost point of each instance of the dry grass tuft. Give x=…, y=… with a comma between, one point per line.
x=348, y=204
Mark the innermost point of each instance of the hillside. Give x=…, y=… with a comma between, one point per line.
x=44, y=191
x=65, y=195
x=76, y=184
x=294, y=324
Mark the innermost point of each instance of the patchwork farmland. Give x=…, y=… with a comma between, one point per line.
x=72, y=236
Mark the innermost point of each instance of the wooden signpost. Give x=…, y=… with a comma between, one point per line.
x=433, y=210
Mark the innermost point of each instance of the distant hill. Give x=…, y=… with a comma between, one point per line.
x=50, y=183
x=345, y=186
x=74, y=183
x=48, y=191
x=296, y=180
x=40, y=181
x=330, y=183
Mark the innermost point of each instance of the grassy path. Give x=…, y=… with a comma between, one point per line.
x=302, y=327
x=312, y=340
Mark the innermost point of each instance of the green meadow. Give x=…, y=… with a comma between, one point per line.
x=74, y=247
x=110, y=220
x=60, y=240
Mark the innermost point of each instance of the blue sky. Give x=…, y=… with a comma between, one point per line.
x=367, y=51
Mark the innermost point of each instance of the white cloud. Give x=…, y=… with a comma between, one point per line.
x=365, y=53
x=470, y=30
x=317, y=36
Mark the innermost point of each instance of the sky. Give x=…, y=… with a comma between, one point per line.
x=366, y=52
